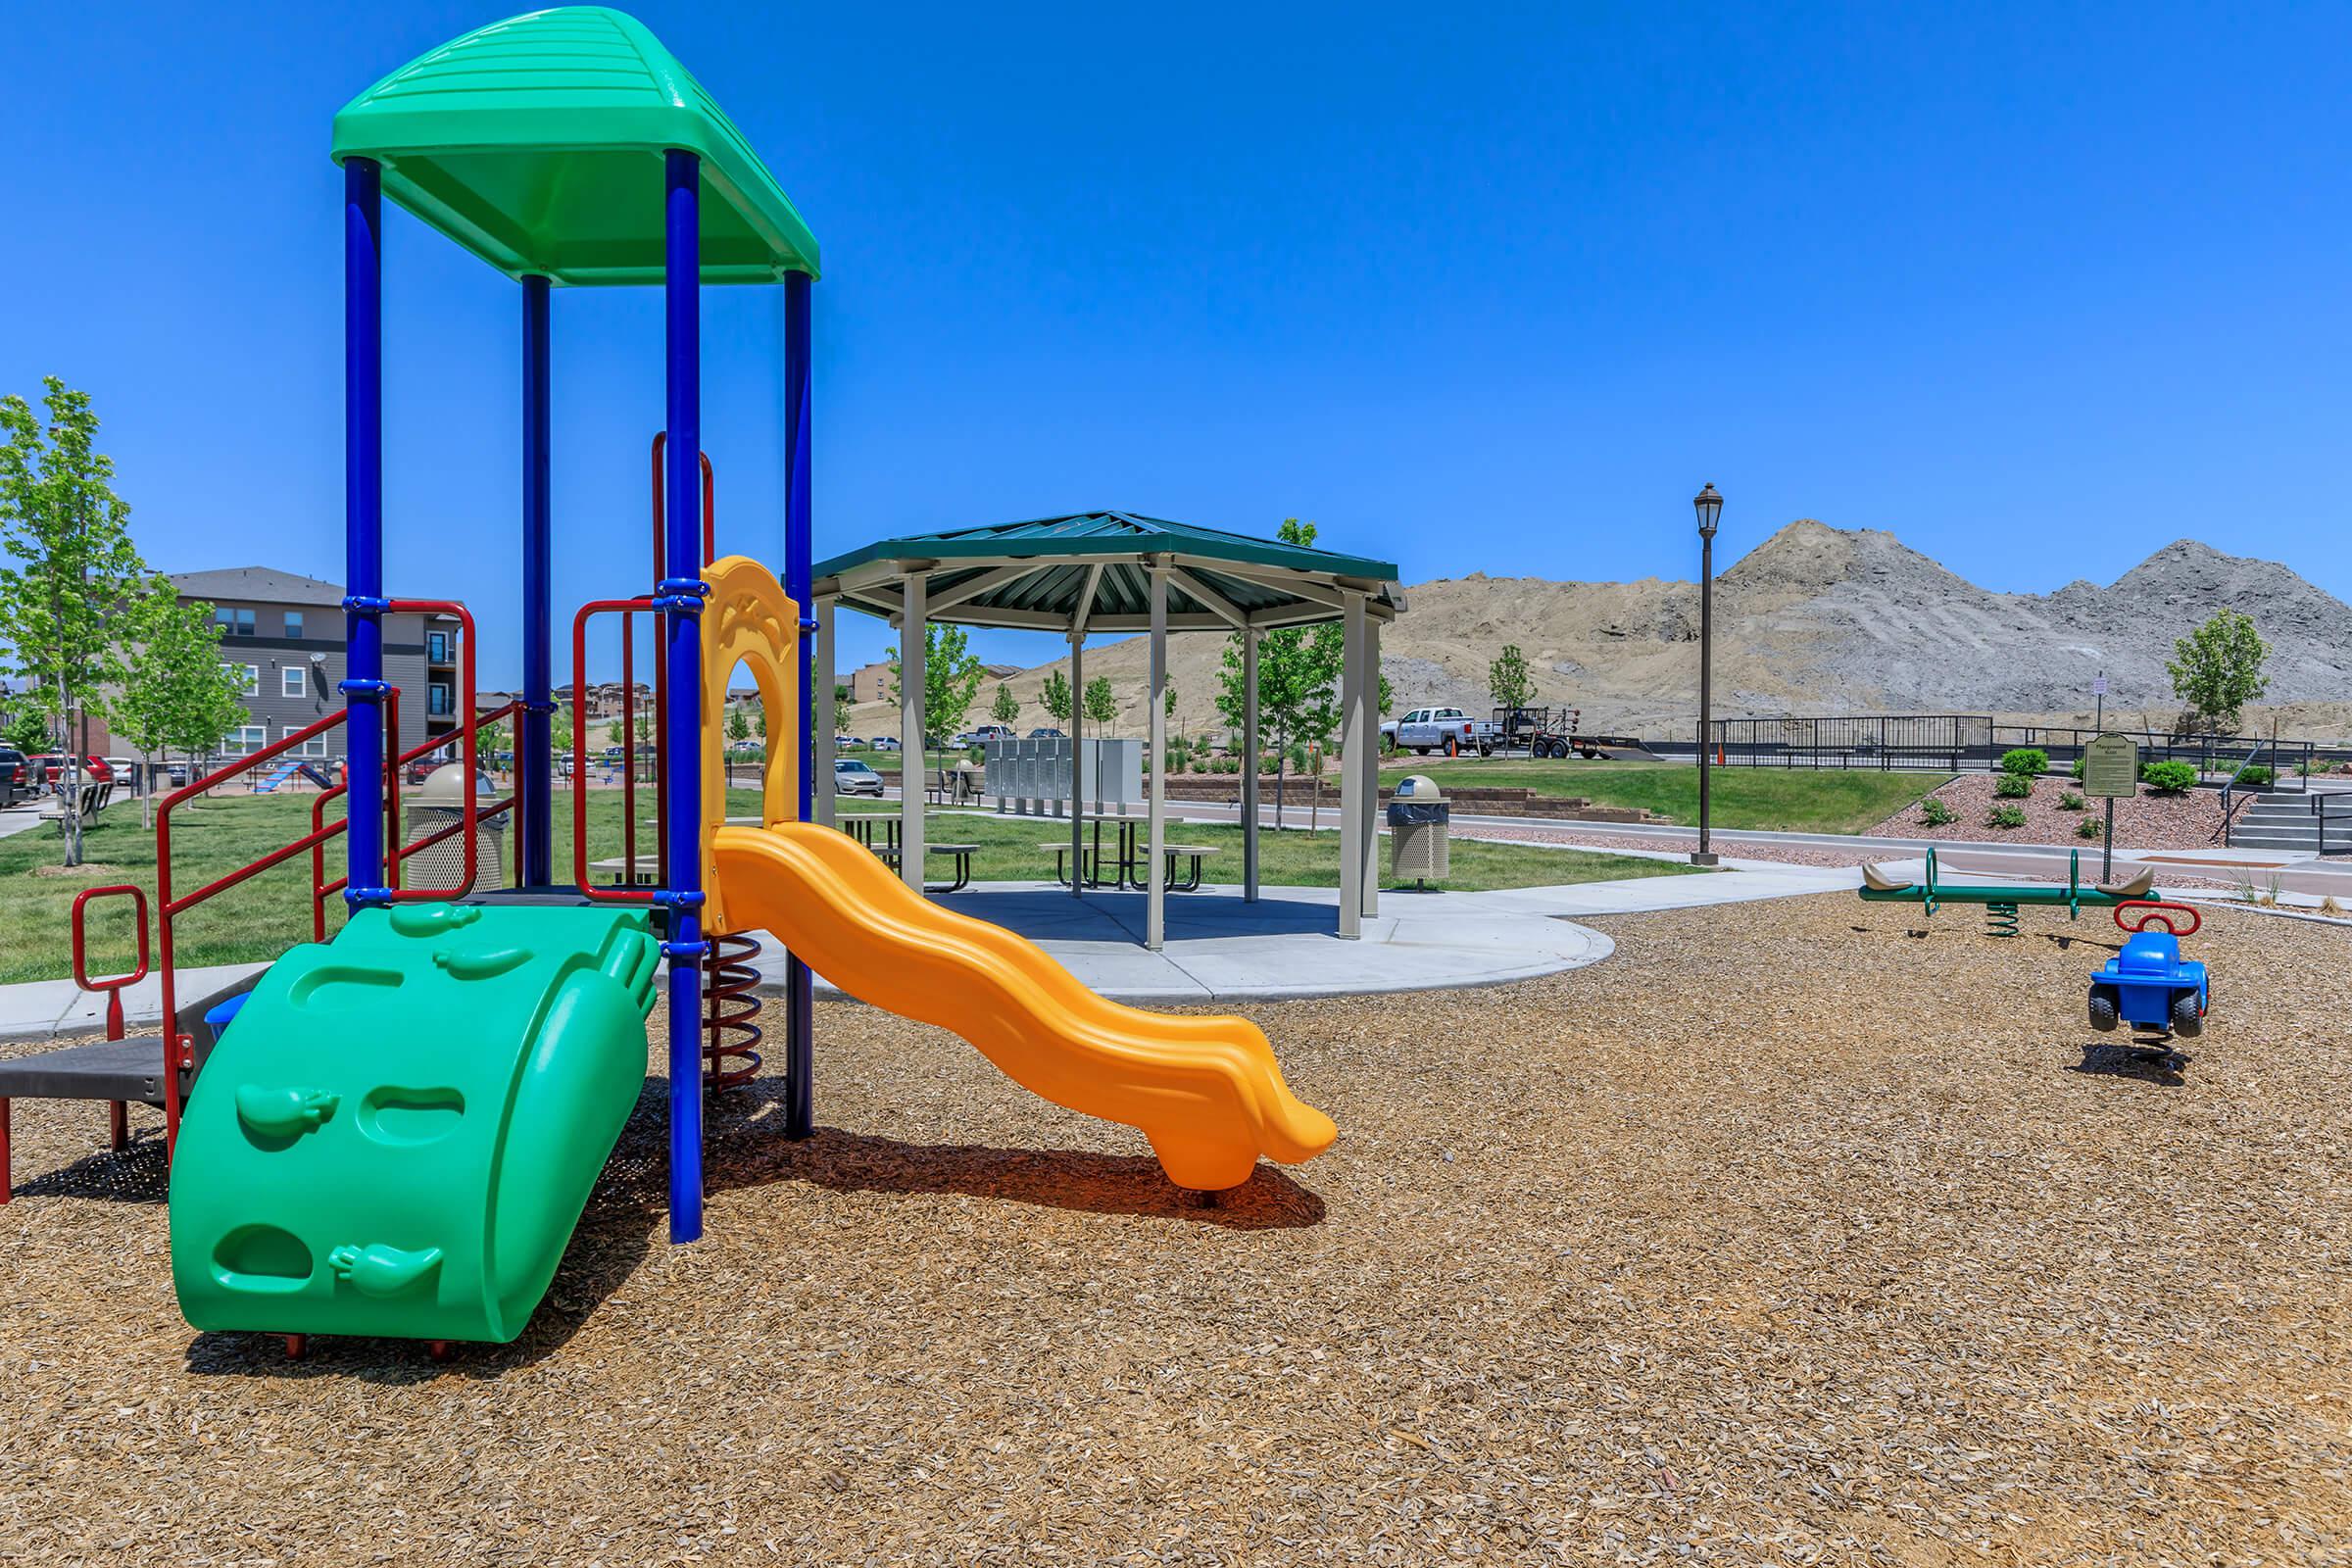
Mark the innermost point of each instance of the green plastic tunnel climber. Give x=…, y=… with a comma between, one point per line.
x=403, y=1125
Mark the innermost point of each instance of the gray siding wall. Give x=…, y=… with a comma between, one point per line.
x=272, y=654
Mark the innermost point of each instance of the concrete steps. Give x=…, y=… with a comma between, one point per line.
x=2276, y=821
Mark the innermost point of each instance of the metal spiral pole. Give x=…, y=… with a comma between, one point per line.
x=731, y=1004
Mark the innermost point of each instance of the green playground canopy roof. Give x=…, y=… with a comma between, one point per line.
x=537, y=144
x=1093, y=569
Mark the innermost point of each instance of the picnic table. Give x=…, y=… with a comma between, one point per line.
x=963, y=853
x=1133, y=865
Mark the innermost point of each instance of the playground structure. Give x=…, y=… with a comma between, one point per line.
x=2135, y=909
x=395, y=1132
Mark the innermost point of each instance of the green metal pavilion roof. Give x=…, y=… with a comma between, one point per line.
x=1095, y=568
x=537, y=144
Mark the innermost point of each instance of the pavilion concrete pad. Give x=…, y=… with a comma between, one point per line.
x=1221, y=948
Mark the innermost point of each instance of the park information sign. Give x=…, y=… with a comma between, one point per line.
x=2111, y=768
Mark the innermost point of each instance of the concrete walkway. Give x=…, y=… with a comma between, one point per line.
x=1219, y=949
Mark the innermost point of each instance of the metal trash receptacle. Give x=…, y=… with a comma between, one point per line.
x=1420, y=820
x=440, y=802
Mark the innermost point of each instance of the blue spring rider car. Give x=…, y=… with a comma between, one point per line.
x=2150, y=987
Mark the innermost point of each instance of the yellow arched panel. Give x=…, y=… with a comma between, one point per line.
x=748, y=620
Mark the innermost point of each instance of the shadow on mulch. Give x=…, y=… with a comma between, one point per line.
x=2149, y=1063
x=745, y=1148
x=134, y=1175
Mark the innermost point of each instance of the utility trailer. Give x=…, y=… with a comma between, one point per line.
x=1553, y=732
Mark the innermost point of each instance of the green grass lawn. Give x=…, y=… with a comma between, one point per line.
x=263, y=917
x=1796, y=800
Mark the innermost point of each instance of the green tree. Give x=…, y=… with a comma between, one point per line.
x=72, y=566
x=1507, y=680
x=2216, y=669
x=739, y=723
x=951, y=677
x=26, y=731
x=490, y=740
x=1055, y=698
x=173, y=691
x=558, y=730
x=1299, y=670
x=1102, y=702
x=1006, y=710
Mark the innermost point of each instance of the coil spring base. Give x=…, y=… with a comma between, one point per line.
x=730, y=1002
x=2000, y=920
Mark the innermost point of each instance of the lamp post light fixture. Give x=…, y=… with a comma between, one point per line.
x=1709, y=507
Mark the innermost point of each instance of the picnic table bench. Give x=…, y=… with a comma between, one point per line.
x=963, y=853
x=1189, y=883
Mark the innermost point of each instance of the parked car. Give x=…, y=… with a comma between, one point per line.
x=853, y=777
x=125, y=771
x=1047, y=732
x=49, y=769
x=16, y=776
x=884, y=743
x=986, y=733
x=1438, y=729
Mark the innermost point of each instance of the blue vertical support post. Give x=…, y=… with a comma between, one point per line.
x=679, y=596
x=533, y=734
x=800, y=1038
x=363, y=526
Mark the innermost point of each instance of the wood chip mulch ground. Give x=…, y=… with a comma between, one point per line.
x=1795, y=1232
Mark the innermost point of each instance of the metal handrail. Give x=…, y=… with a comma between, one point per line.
x=322, y=889
x=579, y=764
x=177, y=1046
x=2323, y=806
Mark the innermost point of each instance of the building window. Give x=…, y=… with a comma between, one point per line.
x=440, y=700
x=294, y=625
x=233, y=622
x=250, y=685
x=315, y=745
x=245, y=740
x=294, y=681
x=436, y=646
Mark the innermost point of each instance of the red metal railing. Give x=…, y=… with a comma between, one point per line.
x=176, y=1055
x=118, y=1118
x=322, y=889
x=628, y=785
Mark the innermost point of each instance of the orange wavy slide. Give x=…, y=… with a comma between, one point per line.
x=1205, y=1091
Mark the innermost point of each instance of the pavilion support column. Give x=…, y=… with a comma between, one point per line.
x=912, y=751
x=1077, y=761
x=1155, y=905
x=1352, y=775
x=1250, y=764
x=1364, y=752
x=820, y=716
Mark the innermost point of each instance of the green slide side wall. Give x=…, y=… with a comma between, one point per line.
x=397, y=1133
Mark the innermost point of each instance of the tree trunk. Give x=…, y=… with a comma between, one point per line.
x=147, y=795
x=69, y=822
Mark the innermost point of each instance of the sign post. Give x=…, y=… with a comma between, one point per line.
x=2110, y=771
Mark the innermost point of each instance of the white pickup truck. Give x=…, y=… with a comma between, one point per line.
x=1438, y=729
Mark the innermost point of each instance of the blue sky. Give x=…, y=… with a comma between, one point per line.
x=2040, y=288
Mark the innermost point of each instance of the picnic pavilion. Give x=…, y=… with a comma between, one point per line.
x=1105, y=572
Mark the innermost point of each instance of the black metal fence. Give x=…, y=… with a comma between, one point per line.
x=1963, y=742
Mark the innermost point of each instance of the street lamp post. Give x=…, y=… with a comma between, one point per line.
x=1709, y=507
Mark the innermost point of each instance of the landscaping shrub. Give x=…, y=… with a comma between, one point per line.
x=2257, y=777
x=2005, y=816
x=2070, y=802
x=2077, y=768
x=2026, y=760
x=2087, y=828
x=2169, y=779
x=2013, y=786
x=1935, y=812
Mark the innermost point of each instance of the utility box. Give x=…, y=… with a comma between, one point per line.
x=1420, y=821
x=439, y=802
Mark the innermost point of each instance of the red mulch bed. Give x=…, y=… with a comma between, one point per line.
x=2150, y=823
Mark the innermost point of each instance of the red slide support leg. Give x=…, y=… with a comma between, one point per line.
x=118, y=1125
